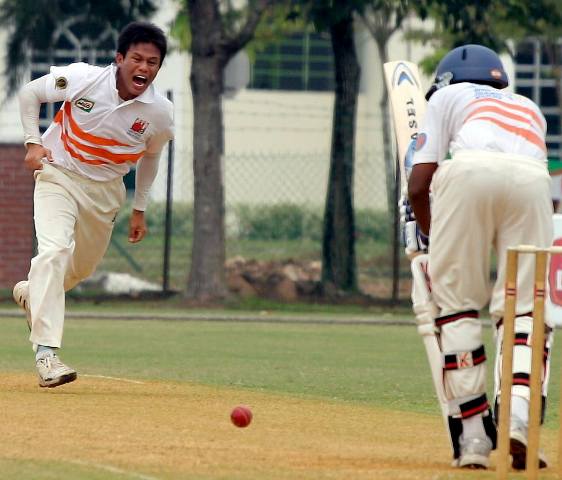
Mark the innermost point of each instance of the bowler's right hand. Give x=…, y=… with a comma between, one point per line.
x=34, y=156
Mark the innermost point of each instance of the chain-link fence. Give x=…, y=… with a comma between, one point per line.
x=276, y=168
x=269, y=218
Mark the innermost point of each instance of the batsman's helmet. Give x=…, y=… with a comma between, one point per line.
x=469, y=63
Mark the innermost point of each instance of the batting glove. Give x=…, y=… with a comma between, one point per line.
x=414, y=239
x=406, y=212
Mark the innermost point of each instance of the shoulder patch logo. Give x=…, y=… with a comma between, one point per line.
x=139, y=126
x=420, y=141
x=61, y=83
x=85, y=104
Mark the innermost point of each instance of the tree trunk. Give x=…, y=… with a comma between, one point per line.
x=339, y=272
x=389, y=160
x=206, y=279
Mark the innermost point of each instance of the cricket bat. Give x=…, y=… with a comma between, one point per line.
x=407, y=104
x=407, y=108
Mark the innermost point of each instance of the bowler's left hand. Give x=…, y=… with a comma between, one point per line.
x=137, y=226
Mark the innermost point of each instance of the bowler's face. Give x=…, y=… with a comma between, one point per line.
x=137, y=69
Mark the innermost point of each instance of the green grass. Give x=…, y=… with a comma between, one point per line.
x=37, y=470
x=376, y=365
x=380, y=366
x=337, y=362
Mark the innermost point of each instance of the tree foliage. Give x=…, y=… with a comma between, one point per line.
x=279, y=20
x=493, y=23
x=489, y=22
x=32, y=23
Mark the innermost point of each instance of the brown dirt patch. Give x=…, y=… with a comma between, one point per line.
x=299, y=280
x=181, y=431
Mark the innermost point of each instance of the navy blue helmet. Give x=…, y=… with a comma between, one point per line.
x=469, y=63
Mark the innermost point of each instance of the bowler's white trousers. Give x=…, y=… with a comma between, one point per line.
x=74, y=218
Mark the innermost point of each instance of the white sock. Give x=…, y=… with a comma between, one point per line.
x=41, y=349
x=473, y=427
x=520, y=408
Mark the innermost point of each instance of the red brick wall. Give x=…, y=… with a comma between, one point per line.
x=16, y=216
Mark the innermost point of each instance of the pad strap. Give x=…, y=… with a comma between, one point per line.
x=455, y=361
x=440, y=321
x=499, y=323
x=474, y=406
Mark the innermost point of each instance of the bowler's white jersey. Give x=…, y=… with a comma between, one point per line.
x=97, y=134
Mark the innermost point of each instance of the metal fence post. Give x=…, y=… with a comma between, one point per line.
x=168, y=215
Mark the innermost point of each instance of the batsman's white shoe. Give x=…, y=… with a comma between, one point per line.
x=52, y=372
x=518, y=445
x=21, y=297
x=475, y=452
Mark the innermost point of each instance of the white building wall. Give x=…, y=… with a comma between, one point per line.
x=277, y=144
x=10, y=127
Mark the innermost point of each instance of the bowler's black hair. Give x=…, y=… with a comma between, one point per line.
x=142, y=32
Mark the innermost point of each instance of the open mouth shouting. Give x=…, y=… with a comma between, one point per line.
x=140, y=81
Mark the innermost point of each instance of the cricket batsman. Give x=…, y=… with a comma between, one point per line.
x=482, y=150
x=111, y=119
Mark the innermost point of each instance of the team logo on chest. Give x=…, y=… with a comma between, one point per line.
x=85, y=104
x=138, y=127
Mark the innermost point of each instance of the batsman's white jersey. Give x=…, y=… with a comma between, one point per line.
x=466, y=116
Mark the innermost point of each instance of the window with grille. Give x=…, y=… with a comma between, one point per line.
x=534, y=79
x=73, y=42
x=299, y=62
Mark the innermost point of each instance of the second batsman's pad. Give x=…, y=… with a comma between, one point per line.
x=522, y=353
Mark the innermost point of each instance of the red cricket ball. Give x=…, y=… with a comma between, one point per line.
x=241, y=416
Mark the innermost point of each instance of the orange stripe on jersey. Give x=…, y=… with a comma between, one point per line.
x=74, y=154
x=526, y=134
x=514, y=106
x=102, y=153
x=499, y=111
x=77, y=131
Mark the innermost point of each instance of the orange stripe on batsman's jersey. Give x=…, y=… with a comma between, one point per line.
x=513, y=106
x=499, y=111
x=526, y=134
